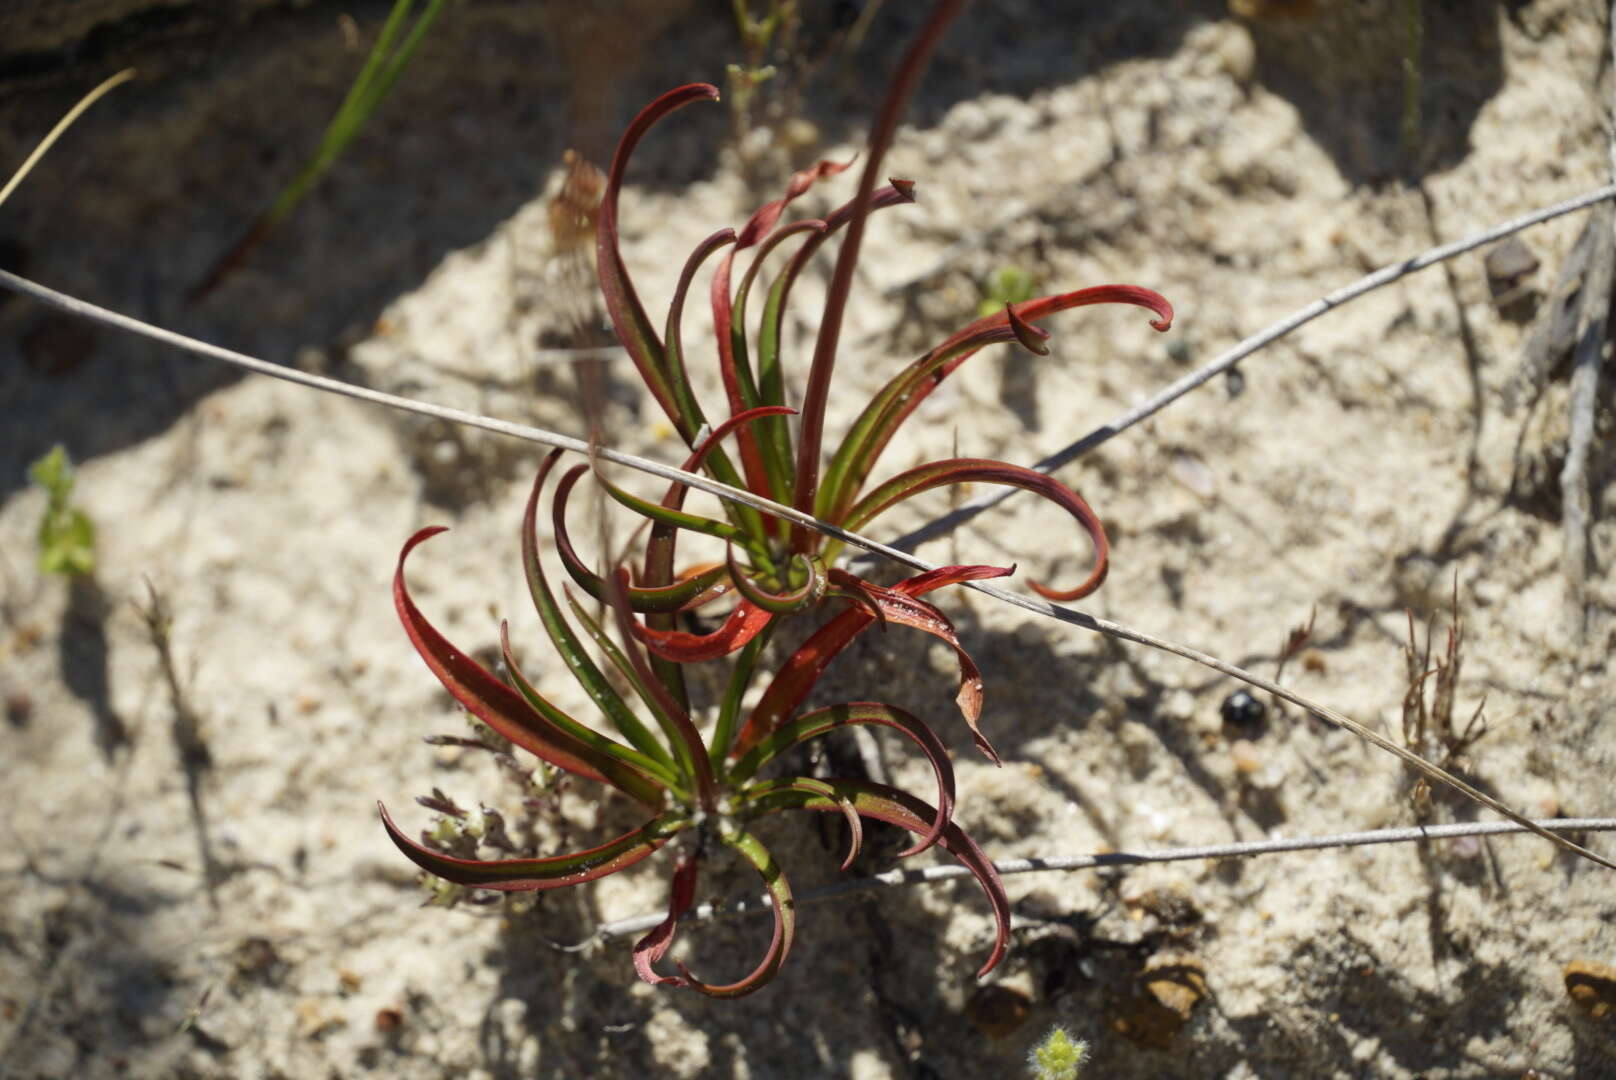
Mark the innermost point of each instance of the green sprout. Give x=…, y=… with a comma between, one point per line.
x=1006, y=285
x=66, y=535
x=387, y=60
x=1058, y=1056
x=758, y=35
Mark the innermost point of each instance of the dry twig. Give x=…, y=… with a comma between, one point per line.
x=760, y=904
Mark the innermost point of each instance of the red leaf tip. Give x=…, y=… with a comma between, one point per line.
x=1031, y=337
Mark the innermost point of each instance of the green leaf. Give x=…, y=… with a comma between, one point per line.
x=729, y=710
x=555, y=872
x=981, y=470
x=659, y=549
x=817, y=723
x=784, y=908
x=776, y=434
x=884, y=415
x=375, y=80
x=810, y=592
x=584, y=670
x=1058, y=1056
x=679, y=519
x=1006, y=285
x=504, y=710
x=54, y=473
x=799, y=675
x=652, y=760
x=691, y=751
x=67, y=543
x=691, y=419
x=729, y=322
x=875, y=425
x=665, y=598
x=674, y=351
x=66, y=536
x=665, y=720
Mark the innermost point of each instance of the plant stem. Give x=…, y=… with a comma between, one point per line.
x=1046, y=864
x=841, y=282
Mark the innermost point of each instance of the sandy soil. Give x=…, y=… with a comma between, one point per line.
x=193, y=882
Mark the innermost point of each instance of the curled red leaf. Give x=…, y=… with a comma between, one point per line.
x=628, y=316
x=784, y=909
x=814, y=724
x=526, y=875
x=1032, y=337
x=683, y=647
x=802, y=670
x=768, y=214
x=502, y=708
x=896, y=807
x=973, y=470
x=649, y=950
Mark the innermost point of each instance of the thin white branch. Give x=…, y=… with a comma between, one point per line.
x=1071, y=616
x=760, y=904
x=1384, y=276
x=107, y=86
x=85, y=310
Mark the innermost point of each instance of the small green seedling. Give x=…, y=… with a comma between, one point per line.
x=386, y=61
x=66, y=535
x=1006, y=285
x=1058, y=1056
x=758, y=35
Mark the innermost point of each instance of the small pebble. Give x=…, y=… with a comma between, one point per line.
x=1592, y=987
x=1235, y=52
x=1172, y=905
x=1510, y=261
x=1245, y=755
x=19, y=709
x=1241, y=709
x=257, y=958
x=1192, y=472
x=1178, y=705
x=1167, y=992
